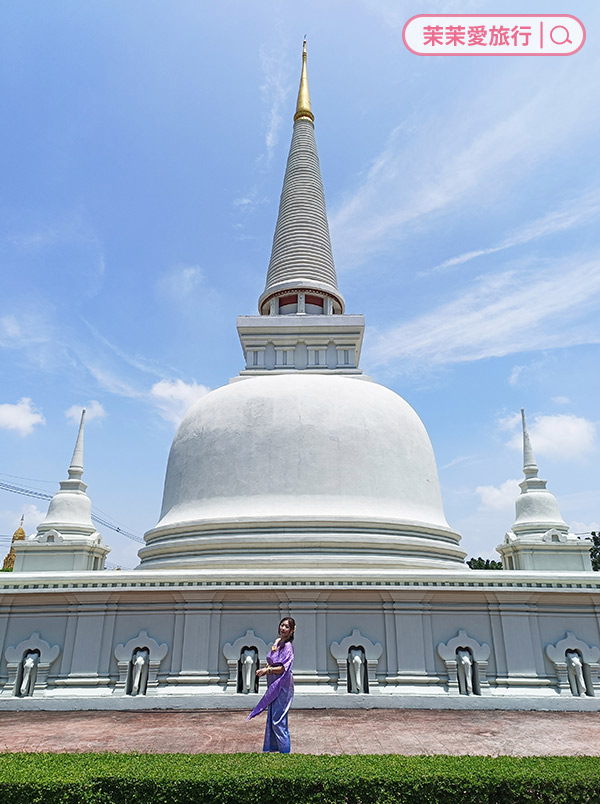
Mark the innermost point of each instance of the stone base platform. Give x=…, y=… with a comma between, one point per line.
x=404, y=732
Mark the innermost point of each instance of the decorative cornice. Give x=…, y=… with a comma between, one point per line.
x=157, y=580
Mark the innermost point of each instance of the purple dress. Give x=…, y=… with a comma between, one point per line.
x=278, y=697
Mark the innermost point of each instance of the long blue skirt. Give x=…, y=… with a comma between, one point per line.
x=277, y=734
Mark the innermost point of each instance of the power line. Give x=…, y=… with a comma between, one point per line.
x=31, y=479
x=42, y=492
x=42, y=495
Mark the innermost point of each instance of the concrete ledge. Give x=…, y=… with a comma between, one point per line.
x=327, y=701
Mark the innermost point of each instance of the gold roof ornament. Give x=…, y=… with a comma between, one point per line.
x=303, y=110
x=18, y=536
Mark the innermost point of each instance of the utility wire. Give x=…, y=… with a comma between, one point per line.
x=42, y=495
x=31, y=479
x=52, y=483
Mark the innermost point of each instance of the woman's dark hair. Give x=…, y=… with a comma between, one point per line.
x=292, y=624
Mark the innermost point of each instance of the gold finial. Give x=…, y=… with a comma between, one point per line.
x=303, y=110
x=18, y=536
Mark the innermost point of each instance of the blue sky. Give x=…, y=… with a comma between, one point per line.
x=143, y=150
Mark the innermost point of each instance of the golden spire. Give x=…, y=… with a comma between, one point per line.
x=18, y=536
x=303, y=110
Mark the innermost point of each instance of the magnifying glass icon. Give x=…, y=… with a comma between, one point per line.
x=565, y=40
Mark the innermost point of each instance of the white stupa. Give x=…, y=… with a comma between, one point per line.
x=540, y=537
x=302, y=489
x=67, y=538
x=304, y=461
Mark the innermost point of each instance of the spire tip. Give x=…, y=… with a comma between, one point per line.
x=530, y=468
x=303, y=110
x=76, y=467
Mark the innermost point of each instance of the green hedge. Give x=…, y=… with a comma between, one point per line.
x=295, y=779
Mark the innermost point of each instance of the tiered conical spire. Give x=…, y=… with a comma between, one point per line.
x=70, y=510
x=301, y=258
x=301, y=324
x=76, y=467
x=530, y=468
x=537, y=509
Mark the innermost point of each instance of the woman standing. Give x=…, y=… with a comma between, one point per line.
x=280, y=689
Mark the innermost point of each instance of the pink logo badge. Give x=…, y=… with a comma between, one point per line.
x=494, y=35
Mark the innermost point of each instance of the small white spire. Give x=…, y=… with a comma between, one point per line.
x=74, y=543
x=76, y=467
x=540, y=537
x=70, y=510
x=530, y=468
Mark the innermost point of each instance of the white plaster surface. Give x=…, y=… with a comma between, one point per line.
x=196, y=616
x=325, y=467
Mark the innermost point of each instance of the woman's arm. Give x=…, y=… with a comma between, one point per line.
x=270, y=669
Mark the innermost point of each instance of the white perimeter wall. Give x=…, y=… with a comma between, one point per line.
x=88, y=615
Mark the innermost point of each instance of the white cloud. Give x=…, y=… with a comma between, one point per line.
x=93, y=410
x=22, y=417
x=510, y=422
x=500, y=314
x=458, y=460
x=487, y=147
x=522, y=374
x=174, y=397
x=498, y=498
x=9, y=520
x=69, y=228
x=578, y=211
x=171, y=398
x=563, y=436
x=136, y=362
x=584, y=528
x=561, y=400
x=581, y=506
x=274, y=91
x=185, y=279
x=515, y=374
x=9, y=327
x=245, y=206
x=38, y=338
x=186, y=285
x=113, y=384
x=31, y=328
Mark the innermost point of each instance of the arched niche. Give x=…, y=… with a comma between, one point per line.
x=234, y=651
x=563, y=655
x=126, y=655
x=454, y=653
x=16, y=656
x=341, y=652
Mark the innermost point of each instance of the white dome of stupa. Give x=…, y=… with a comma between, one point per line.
x=302, y=469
